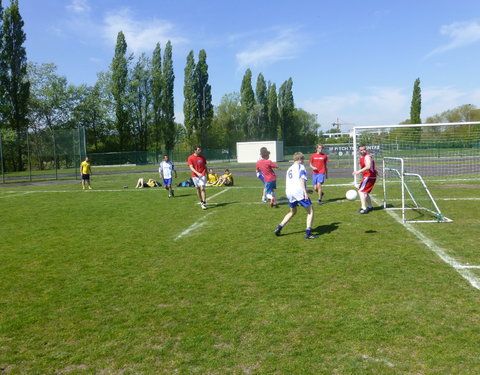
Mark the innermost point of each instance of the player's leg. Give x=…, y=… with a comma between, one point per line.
x=286, y=219
x=363, y=201
x=308, y=230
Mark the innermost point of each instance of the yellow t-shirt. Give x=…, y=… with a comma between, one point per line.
x=85, y=167
x=151, y=183
x=212, y=177
x=228, y=176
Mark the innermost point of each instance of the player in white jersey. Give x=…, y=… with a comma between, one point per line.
x=297, y=195
x=166, y=170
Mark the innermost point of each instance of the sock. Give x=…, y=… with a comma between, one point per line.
x=308, y=231
x=279, y=227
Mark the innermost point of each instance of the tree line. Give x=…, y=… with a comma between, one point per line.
x=131, y=105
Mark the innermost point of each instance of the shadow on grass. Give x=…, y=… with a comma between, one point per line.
x=319, y=230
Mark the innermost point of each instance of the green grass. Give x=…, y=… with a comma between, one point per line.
x=99, y=282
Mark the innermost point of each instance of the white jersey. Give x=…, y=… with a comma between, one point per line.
x=166, y=169
x=296, y=179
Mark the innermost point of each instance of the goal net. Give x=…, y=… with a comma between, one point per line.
x=409, y=193
x=434, y=151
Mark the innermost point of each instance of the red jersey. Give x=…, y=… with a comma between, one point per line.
x=372, y=172
x=319, y=161
x=199, y=164
x=266, y=167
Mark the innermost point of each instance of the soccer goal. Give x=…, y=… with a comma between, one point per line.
x=409, y=193
x=434, y=151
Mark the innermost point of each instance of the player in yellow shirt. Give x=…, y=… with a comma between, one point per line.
x=85, y=171
x=212, y=177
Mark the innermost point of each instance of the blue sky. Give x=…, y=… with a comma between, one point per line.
x=352, y=60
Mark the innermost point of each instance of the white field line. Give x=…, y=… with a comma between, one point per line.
x=462, y=269
x=216, y=195
x=13, y=194
x=198, y=224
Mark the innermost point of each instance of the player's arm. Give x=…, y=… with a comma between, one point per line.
x=194, y=170
x=368, y=164
x=303, y=184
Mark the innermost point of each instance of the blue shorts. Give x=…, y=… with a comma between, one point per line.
x=270, y=186
x=303, y=203
x=167, y=181
x=318, y=178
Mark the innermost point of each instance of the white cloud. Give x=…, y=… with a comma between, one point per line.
x=461, y=34
x=285, y=45
x=141, y=35
x=79, y=6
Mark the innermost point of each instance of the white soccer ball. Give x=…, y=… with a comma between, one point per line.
x=351, y=195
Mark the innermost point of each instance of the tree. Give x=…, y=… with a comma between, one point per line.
x=286, y=106
x=91, y=113
x=51, y=100
x=168, y=78
x=14, y=79
x=227, y=124
x=140, y=100
x=119, y=89
x=157, y=94
x=272, y=112
x=190, y=101
x=247, y=100
x=204, y=98
x=262, y=107
x=307, y=126
x=416, y=105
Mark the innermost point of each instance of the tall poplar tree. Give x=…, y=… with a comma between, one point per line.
x=14, y=79
x=415, y=111
x=3, y=72
x=190, y=101
x=247, y=100
x=157, y=92
x=204, y=98
x=262, y=107
x=168, y=109
x=140, y=101
x=272, y=112
x=119, y=87
x=416, y=105
x=286, y=107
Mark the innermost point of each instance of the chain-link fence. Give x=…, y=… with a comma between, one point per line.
x=155, y=157
x=45, y=154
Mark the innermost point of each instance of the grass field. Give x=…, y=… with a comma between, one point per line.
x=127, y=281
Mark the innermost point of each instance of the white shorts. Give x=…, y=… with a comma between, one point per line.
x=199, y=181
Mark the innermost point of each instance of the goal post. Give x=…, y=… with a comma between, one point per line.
x=437, y=150
x=408, y=191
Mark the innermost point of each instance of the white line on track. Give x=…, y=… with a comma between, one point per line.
x=462, y=269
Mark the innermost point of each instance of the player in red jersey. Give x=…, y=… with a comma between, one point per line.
x=369, y=177
x=265, y=166
x=318, y=162
x=198, y=165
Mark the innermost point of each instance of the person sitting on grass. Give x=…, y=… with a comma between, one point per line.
x=212, y=178
x=225, y=179
x=150, y=183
